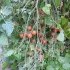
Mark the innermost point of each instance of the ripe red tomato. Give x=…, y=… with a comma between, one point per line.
x=61, y=49
x=53, y=27
x=21, y=35
x=44, y=42
x=41, y=57
x=42, y=22
x=52, y=34
x=29, y=35
x=40, y=35
x=29, y=28
x=58, y=30
x=34, y=33
x=41, y=12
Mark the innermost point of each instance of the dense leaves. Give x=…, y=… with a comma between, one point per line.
x=34, y=33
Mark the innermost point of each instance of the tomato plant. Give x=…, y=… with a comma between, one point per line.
x=34, y=34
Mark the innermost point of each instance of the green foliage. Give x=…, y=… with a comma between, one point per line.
x=40, y=53
x=5, y=65
x=3, y=39
x=9, y=53
x=46, y=9
x=60, y=37
x=57, y=3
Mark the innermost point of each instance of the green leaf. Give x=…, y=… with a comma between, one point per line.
x=48, y=20
x=46, y=9
x=6, y=11
x=66, y=65
x=58, y=26
x=67, y=57
x=64, y=22
x=14, y=66
x=16, y=0
x=50, y=67
x=20, y=68
x=9, y=27
x=9, y=53
x=60, y=37
x=5, y=65
x=61, y=59
x=7, y=2
x=18, y=55
x=57, y=3
x=3, y=40
x=42, y=4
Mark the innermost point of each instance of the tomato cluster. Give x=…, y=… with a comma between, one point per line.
x=38, y=34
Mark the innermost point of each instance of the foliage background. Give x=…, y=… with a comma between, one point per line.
x=21, y=54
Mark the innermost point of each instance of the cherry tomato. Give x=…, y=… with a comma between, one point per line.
x=58, y=30
x=41, y=57
x=40, y=35
x=44, y=42
x=34, y=33
x=29, y=28
x=29, y=35
x=61, y=49
x=52, y=34
x=21, y=35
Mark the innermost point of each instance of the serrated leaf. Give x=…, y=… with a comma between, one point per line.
x=9, y=27
x=50, y=67
x=60, y=37
x=9, y=53
x=5, y=11
x=3, y=40
x=46, y=9
x=66, y=66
